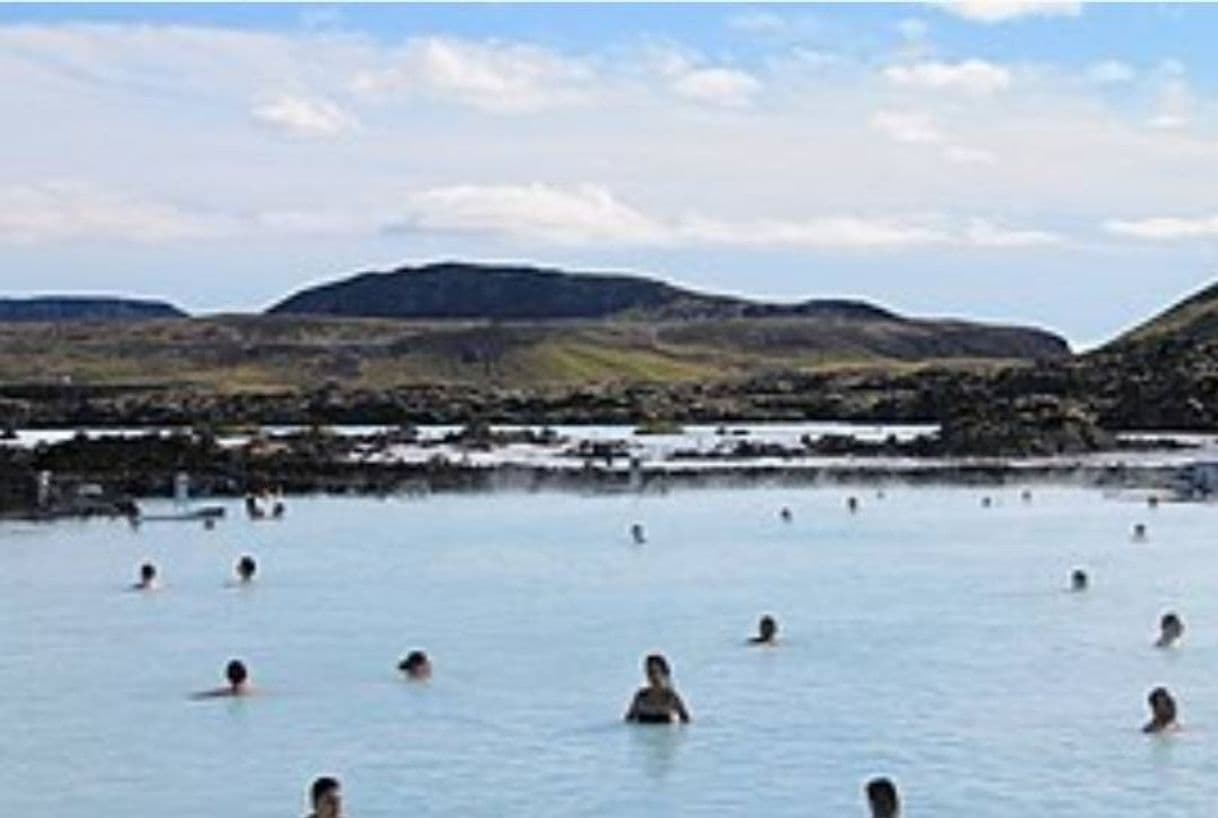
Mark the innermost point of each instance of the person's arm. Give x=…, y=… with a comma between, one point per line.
x=679, y=706
x=632, y=713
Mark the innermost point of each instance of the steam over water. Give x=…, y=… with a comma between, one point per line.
x=926, y=638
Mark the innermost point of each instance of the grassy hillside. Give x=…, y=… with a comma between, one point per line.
x=247, y=353
x=1194, y=320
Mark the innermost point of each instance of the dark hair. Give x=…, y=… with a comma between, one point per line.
x=246, y=566
x=1169, y=619
x=321, y=786
x=658, y=660
x=882, y=794
x=414, y=659
x=1078, y=577
x=768, y=622
x=147, y=570
x=236, y=672
x=1160, y=695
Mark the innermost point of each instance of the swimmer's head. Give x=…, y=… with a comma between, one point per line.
x=882, y=796
x=1171, y=627
x=1139, y=531
x=657, y=669
x=852, y=503
x=246, y=568
x=986, y=502
x=416, y=665
x=236, y=673
x=326, y=797
x=1078, y=580
x=147, y=573
x=1162, y=707
x=767, y=628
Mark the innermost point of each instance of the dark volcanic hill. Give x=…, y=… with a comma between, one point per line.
x=457, y=291
x=469, y=291
x=85, y=308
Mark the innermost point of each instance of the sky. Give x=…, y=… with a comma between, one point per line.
x=1051, y=163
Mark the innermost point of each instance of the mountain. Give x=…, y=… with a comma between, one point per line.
x=85, y=308
x=1192, y=320
x=822, y=328
x=504, y=293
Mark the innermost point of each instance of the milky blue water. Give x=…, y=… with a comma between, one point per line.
x=925, y=638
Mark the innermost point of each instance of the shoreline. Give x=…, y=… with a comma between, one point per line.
x=108, y=475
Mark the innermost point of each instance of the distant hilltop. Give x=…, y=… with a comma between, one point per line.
x=517, y=293
x=460, y=291
x=85, y=308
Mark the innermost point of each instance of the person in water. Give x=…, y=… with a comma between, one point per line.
x=785, y=514
x=636, y=531
x=1078, y=580
x=147, y=580
x=238, y=682
x=882, y=798
x=246, y=568
x=252, y=509
x=1139, y=532
x=987, y=501
x=1162, y=712
x=416, y=666
x=767, y=631
x=658, y=702
x=1171, y=628
x=852, y=503
x=325, y=796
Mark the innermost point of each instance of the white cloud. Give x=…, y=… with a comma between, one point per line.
x=965, y=155
x=65, y=211
x=834, y=232
x=717, y=86
x=1171, y=67
x=303, y=116
x=576, y=215
x=1111, y=72
x=1002, y=11
x=971, y=76
x=908, y=127
x=685, y=74
x=591, y=214
x=1174, y=108
x=1165, y=228
x=507, y=78
x=985, y=233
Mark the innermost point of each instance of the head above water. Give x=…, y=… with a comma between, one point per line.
x=882, y=797
x=325, y=797
x=236, y=673
x=1171, y=625
x=416, y=665
x=1078, y=579
x=1162, y=708
x=246, y=567
x=767, y=628
x=1139, y=531
x=147, y=573
x=657, y=669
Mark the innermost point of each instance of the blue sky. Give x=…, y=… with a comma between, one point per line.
x=1051, y=163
